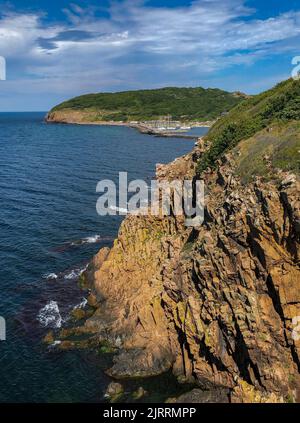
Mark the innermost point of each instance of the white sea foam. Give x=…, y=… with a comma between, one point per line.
x=50, y=315
x=55, y=343
x=82, y=304
x=88, y=240
x=72, y=275
x=75, y=273
x=50, y=276
x=92, y=239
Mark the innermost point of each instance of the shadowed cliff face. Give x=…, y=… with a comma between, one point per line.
x=215, y=304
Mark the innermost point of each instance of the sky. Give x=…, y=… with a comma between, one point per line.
x=58, y=49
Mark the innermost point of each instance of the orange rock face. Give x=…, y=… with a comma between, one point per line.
x=216, y=303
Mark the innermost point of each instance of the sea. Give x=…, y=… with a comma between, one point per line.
x=49, y=231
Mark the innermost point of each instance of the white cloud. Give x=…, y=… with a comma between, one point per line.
x=139, y=44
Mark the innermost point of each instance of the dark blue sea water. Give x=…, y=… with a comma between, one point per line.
x=49, y=225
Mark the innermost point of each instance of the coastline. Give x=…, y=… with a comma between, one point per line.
x=141, y=127
x=160, y=266
x=154, y=265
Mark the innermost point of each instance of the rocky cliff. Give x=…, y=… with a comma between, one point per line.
x=215, y=304
x=219, y=304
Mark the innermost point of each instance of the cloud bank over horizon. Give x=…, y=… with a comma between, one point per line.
x=132, y=44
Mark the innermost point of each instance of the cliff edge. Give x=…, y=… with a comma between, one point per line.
x=215, y=304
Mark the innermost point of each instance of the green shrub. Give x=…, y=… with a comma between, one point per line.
x=281, y=103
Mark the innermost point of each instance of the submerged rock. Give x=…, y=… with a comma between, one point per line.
x=114, y=391
x=49, y=338
x=139, y=393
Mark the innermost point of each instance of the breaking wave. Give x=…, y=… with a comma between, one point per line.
x=88, y=240
x=82, y=304
x=50, y=276
x=75, y=273
x=50, y=315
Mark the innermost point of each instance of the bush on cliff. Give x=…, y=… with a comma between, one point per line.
x=280, y=104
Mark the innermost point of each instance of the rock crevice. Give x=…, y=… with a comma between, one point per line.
x=214, y=304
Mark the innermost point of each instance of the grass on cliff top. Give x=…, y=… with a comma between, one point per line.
x=277, y=106
x=272, y=148
x=180, y=103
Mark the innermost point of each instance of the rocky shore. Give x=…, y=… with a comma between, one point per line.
x=213, y=304
x=218, y=305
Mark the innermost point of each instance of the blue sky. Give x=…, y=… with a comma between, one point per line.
x=58, y=49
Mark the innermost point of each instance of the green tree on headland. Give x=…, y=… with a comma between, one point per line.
x=189, y=104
